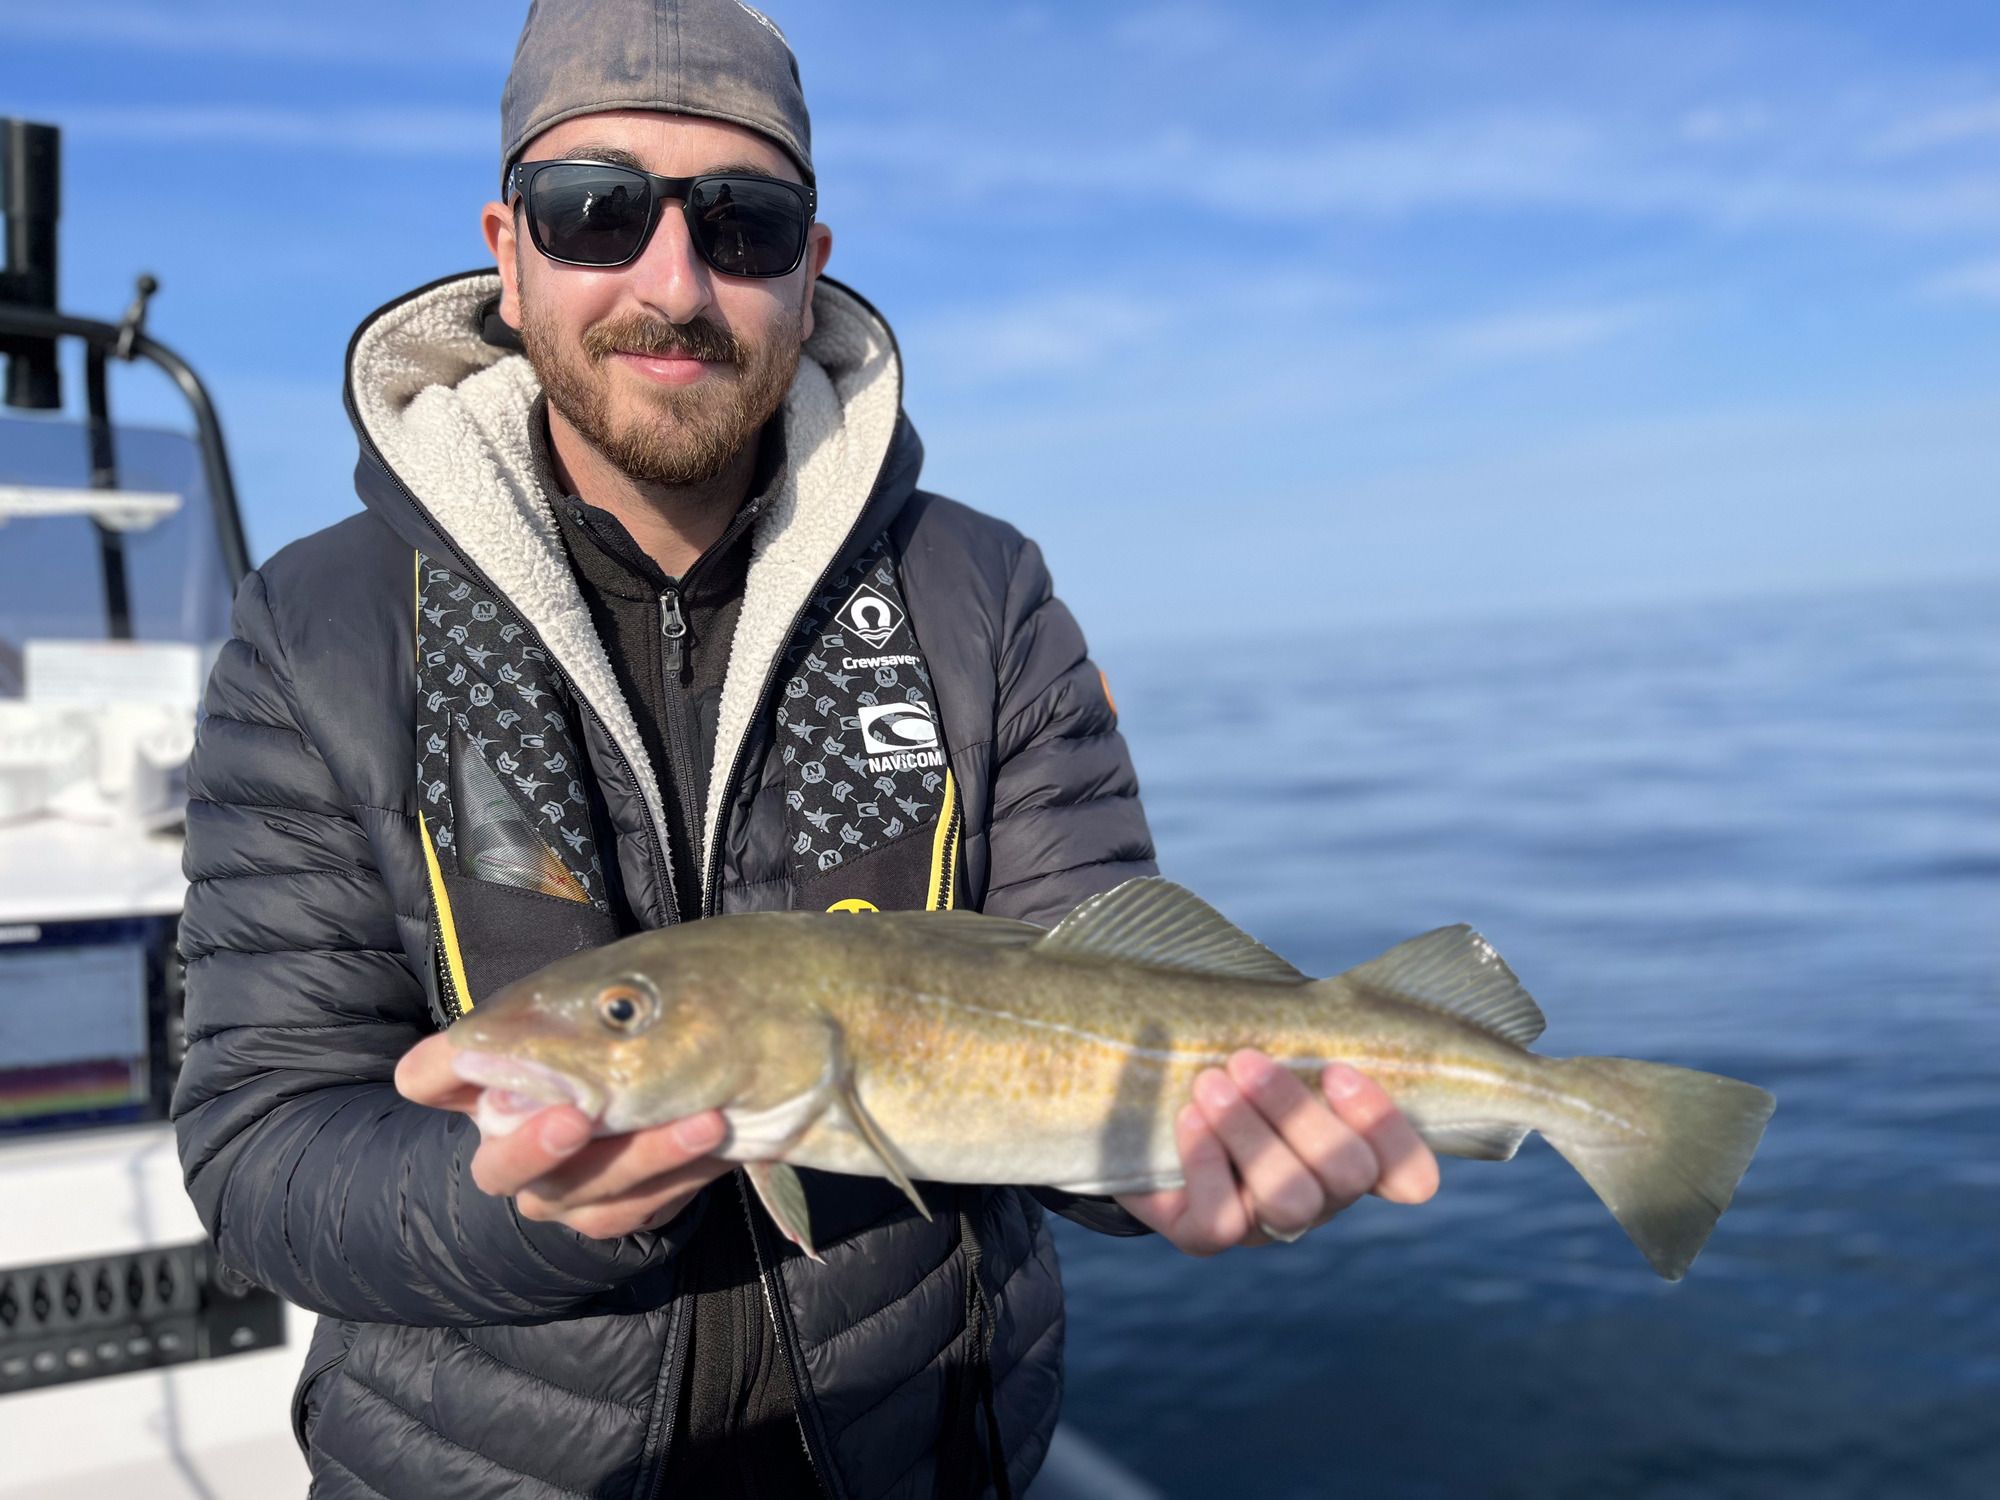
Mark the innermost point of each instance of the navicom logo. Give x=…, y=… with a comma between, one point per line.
x=871, y=615
x=900, y=737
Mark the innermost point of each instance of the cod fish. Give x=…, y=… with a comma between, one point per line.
x=954, y=1047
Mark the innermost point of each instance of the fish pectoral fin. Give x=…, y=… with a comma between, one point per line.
x=1478, y=1140
x=864, y=1124
x=784, y=1198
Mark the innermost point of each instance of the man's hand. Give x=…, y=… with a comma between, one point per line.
x=1301, y=1158
x=550, y=1166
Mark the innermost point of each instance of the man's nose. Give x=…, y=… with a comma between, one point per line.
x=669, y=276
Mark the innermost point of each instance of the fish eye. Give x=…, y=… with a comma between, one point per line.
x=625, y=1007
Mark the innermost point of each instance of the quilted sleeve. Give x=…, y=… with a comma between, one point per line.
x=1066, y=820
x=311, y=1173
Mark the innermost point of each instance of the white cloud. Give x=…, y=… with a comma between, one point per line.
x=1509, y=161
x=1978, y=282
x=1535, y=335
x=1723, y=124
x=355, y=32
x=1940, y=128
x=1064, y=334
x=388, y=130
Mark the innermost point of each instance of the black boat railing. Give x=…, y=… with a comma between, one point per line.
x=32, y=326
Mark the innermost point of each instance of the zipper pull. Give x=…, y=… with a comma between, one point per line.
x=673, y=628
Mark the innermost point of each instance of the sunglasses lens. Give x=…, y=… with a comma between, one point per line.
x=748, y=226
x=591, y=214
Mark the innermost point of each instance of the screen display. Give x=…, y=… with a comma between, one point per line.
x=80, y=1024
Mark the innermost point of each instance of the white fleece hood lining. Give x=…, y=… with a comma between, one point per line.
x=449, y=413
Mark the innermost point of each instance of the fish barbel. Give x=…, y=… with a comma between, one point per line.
x=954, y=1047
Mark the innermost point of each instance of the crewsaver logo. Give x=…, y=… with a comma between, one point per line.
x=870, y=614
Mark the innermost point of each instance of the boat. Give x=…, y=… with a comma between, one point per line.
x=131, y=1360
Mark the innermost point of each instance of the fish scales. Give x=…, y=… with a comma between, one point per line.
x=955, y=1047
x=1018, y=1067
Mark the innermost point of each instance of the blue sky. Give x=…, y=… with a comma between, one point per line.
x=1256, y=316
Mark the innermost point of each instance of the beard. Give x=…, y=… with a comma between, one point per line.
x=680, y=435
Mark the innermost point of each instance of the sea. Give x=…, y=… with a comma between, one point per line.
x=1757, y=837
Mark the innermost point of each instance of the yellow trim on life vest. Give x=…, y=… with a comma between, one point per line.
x=944, y=850
x=447, y=928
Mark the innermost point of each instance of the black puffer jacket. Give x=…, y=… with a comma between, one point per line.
x=464, y=1350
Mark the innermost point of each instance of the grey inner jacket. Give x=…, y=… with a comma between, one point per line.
x=464, y=1349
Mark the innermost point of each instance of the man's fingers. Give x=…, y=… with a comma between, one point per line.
x=552, y=1150
x=425, y=1075
x=1342, y=1162
x=1214, y=1218
x=504, y=1164
x=646, y=1206
x=1205, y=1214
x=1409, y=1170
x=618, y=1164
x=1286, y=1195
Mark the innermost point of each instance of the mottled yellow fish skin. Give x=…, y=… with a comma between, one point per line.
x=985, y=1066
x=956, y=1048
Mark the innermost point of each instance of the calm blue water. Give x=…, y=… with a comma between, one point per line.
x=1761, y=839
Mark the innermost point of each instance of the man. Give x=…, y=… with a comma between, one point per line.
x=647, y=620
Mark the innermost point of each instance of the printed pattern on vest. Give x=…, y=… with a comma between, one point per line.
x=481, y=682
x=857, y=724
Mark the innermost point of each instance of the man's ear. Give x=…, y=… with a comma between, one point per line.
x=819, y=245
x=496, y=223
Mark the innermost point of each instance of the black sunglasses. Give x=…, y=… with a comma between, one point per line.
x=591, y=213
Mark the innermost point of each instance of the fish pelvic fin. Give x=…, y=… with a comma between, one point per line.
x=784, y=1198
x=1668, y=1182
x=1494, y=1140
x=878, y=1142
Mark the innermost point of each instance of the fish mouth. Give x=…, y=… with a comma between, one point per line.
x=522, y=1087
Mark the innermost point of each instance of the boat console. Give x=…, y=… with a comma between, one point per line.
x=131, y=1360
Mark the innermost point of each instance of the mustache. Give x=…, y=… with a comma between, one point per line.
x=696, y=339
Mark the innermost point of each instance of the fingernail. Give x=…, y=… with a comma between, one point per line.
x=699, y=1133
x=1215, y=1090
x=1251, y=1069
x=1342, y=1081
x=565, y=1133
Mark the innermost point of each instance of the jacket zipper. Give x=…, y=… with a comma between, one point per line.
x=711, y=864
x=681, y=742
x=767, y=1274
x=675, y=1351
x=779, y=1325
x=683, y=736
x=449, y=1000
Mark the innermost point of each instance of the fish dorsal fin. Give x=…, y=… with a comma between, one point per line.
x=1455, y=970
x=1153, y=921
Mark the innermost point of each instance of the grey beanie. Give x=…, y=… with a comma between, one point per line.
x=717, y=58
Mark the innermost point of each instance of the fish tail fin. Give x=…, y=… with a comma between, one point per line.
x=1668, y=1181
